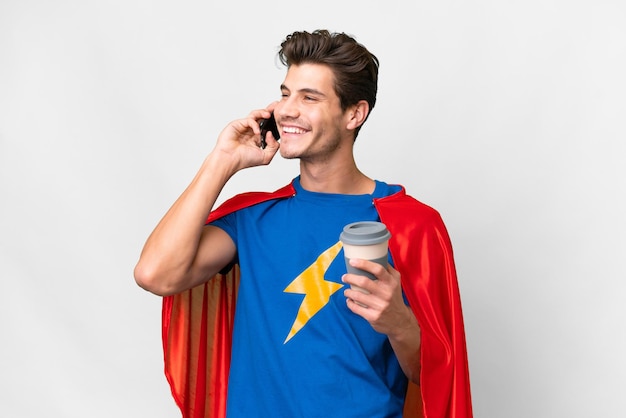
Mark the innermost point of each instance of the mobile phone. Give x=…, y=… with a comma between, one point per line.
x=268, y=124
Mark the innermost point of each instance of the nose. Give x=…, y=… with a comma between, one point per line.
x=286, y=109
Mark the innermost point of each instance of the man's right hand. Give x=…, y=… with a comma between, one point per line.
x=240, y=142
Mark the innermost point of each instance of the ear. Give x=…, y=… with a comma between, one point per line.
x=357, y=114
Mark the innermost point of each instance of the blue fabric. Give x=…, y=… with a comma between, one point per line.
x=329, y=363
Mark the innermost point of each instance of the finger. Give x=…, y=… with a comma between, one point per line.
x=271, y=142
x=359, y=282
x=357, y=306
x=369, y=266
x=254, y=118
x=269, y=152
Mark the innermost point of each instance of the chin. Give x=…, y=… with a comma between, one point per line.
x=288, y=155
x=288, y=152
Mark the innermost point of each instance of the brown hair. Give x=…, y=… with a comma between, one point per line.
x=354, y=67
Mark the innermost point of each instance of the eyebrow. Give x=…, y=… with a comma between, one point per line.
x=305, y=90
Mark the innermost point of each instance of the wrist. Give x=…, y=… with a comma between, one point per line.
x=220, y=165
x=407, y=328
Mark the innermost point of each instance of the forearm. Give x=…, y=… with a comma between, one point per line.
x=168, y=256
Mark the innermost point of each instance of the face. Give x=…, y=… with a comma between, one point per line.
x=309, y=114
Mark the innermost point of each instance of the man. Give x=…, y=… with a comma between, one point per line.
x=303, y=343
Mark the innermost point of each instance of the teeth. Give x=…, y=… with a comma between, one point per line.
x=293, y=130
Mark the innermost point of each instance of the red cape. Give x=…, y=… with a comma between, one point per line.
x=197, y=323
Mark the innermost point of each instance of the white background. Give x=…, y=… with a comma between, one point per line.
x=508, y=117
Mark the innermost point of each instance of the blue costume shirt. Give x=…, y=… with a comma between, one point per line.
x=298, y=351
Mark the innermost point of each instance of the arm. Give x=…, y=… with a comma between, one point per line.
x=182, y=252
x=385, y=310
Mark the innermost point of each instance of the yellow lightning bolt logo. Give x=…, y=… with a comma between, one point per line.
x=317, y=291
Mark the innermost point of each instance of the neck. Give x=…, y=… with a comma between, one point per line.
x=328, y=178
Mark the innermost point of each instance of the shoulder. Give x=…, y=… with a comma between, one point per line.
x=248, y=199
x=401, y=204
x=414, y=226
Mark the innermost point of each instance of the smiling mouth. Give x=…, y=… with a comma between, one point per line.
x=293, y=130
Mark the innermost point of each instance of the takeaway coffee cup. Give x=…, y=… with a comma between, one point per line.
x=366, y=240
